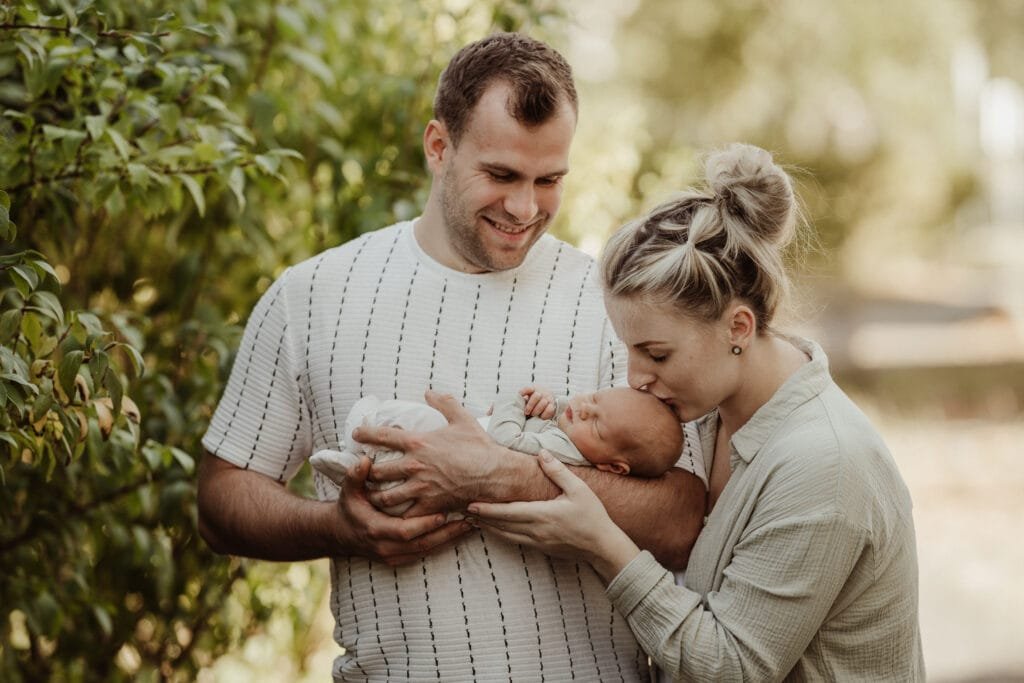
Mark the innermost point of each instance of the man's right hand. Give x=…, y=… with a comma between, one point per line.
x=242, y=512
x=395, y=541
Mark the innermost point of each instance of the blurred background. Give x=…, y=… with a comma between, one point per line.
x=160, y=168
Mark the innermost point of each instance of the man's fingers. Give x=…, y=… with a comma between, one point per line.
x=426, y=542
x=448, y=406
x=402, y=530
x=356, y=476
x=392, y=438
x=392, y=497
x=393, y=470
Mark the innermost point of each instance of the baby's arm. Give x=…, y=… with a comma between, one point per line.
x=508, y=426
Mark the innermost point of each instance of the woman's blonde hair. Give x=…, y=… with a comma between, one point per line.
x=706, y=247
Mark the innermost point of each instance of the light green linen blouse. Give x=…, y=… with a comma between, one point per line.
x=807, y=566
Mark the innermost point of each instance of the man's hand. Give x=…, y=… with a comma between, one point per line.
x=539, y=402
x=378, y=536
x=443, y=470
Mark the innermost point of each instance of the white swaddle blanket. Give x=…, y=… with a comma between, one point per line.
x=372, y=412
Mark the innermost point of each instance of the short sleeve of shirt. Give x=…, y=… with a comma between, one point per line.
x=261, y=422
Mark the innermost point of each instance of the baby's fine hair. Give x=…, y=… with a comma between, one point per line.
x=655, y=446
x=706, y=247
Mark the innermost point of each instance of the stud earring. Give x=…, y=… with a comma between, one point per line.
x=736, y=350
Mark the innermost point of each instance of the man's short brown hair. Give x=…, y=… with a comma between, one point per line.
x=538, y=75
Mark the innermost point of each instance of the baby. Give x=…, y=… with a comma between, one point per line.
x=619, y=430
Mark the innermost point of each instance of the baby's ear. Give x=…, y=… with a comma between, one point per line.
x=615, y=466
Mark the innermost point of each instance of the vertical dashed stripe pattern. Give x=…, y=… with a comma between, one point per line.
x=375, y=316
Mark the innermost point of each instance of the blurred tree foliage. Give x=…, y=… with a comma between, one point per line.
x=158, y=169
x=856, y=98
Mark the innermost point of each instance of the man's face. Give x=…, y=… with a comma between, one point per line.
x=502, y=185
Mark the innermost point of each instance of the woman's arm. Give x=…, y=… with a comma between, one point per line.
x=776, y=593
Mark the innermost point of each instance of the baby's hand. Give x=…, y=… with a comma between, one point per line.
x=539, y=402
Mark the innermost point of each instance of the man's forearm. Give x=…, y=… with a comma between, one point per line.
x=245, y=513
x=662, y=515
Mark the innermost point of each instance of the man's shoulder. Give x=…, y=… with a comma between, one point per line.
x=339, y=259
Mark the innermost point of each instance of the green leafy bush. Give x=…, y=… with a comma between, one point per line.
x=161, y=168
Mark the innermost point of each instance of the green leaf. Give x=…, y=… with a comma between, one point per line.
x=96, y=125
x=9, y=322
x=113, y=384
x=120, y=143
x=8, y=231
x=236, y=182
x=25, y=279
x=8, y=439
x=285, y=152
x=311, y=63
x=5, y=200
x=49, y=305
x=68, y=370
x=85, y=34
x=40, y=264
x=203, y=29
x=206, y=152
x=268, y=164
x=42, y=404
x=138, y=363
x=98, y=365
x=194, y=189
x=186, y=461
x=90, y=322
x=103, y=619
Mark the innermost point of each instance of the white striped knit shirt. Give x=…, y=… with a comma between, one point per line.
x=378, y=316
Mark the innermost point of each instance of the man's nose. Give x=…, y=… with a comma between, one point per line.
x=521, y=202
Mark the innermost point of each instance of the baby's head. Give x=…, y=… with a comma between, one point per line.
x=623, y=430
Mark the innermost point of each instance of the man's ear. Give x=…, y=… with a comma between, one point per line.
x=436, y=144
x=615, y=466
x=742, y=325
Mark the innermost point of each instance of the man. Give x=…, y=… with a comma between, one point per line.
x=474, y=300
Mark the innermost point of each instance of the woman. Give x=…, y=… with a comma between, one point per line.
x=806, y=567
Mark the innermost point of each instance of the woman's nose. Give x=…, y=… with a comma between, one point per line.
x=637, y=378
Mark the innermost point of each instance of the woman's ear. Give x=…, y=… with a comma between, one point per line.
x=435, y=144
x=742, y=325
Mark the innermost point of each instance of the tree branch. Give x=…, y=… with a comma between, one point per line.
x=65, y=30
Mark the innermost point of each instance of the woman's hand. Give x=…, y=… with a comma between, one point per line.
x=573, y=525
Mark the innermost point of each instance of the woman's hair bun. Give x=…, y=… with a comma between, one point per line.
x=752, y=190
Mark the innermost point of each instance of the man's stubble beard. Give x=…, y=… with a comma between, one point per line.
x=461, y=229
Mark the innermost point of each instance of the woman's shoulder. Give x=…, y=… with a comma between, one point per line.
x=830, y=455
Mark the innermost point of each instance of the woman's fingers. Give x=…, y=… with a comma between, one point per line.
x=561, y=475
x=510, y=536
x=506, y=513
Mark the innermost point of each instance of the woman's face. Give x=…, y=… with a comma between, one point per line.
x=685, y=362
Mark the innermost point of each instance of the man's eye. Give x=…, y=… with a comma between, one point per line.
x=658, y=358
x=548, y=182
x=501, y=177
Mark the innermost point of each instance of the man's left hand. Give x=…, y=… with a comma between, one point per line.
x=442, y=470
